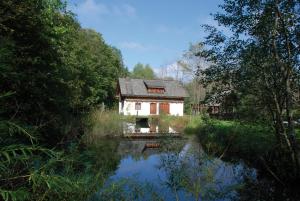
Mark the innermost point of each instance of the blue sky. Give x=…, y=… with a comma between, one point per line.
x=154, y=32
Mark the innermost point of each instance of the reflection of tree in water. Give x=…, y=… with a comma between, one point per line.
x=197, y=176
x=128, y=190
x=103, y=156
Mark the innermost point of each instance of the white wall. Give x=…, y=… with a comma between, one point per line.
x=176, y=109
x=120, y=107
x=129, y=108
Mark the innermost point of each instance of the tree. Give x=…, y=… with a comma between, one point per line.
x=143, y=71
x=57, y=70
x=191, y=65
x=261, y=59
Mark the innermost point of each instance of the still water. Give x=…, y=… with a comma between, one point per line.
x=172, y=169
x=166, y=165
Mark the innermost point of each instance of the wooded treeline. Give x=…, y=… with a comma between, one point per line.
x=52, y=73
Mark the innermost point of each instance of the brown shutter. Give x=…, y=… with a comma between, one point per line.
x=152, y=108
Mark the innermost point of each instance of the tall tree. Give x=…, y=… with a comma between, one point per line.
x=56, y=69
x=260, y=58
x=143, y=71
x=191, y=66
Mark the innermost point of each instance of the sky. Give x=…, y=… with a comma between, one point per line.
x=155, y=32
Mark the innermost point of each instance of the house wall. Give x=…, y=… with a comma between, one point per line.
x=127, y=107
x=176, y=109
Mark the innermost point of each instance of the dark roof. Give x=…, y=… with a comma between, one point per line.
x=138, y=88
x=154, y=83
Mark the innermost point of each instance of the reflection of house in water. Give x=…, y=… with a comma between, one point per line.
x=138, y=147
x=145, y=128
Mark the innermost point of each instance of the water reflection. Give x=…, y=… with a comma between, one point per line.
x=145, y=127
x=177, y=169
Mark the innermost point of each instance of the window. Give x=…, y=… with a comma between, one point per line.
x=156, y=90
x=138, y=106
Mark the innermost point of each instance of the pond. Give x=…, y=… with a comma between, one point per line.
x=157, y=166
x=177, y=169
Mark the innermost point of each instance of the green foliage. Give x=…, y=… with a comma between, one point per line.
x=143, y=71
x=97, y=67
x=193, y=125
x=259, y=56
x=259, y=64
x=56, y=69
x=32, y=172
x=250, y=140
x=52, y=72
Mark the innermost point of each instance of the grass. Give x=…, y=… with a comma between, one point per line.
x=254, y=143
x=104, y=124
x=239, y=139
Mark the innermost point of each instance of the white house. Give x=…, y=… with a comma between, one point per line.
x=150, y=97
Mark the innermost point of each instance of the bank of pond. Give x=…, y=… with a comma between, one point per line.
x=211, y=160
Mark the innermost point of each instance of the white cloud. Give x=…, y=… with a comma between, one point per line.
x=92, y=8
x=123, y=10
x=132, y=45
x=129, y=10
x=162, y=29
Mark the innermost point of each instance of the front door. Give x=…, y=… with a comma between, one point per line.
x=152, y=108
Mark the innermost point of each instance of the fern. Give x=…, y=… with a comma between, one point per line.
x=33, y=172
x=17, y=195
x=13, y=129
x=52, y=182
x=7, y=94
x=22, y=152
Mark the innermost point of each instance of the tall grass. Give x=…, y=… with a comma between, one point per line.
x=104, y=124
x=107, y=123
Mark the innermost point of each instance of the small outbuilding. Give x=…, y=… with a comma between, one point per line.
x=150, y=97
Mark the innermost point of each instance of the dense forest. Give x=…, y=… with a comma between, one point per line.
x=52, y=73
